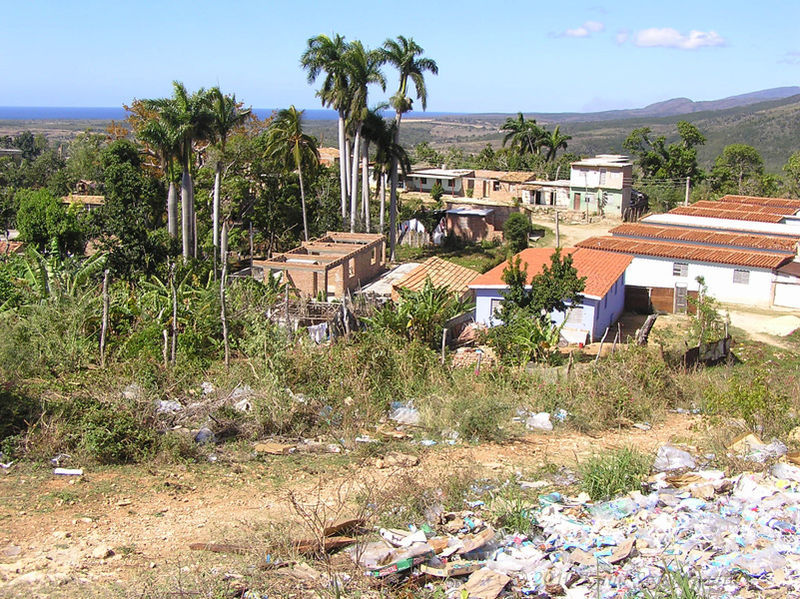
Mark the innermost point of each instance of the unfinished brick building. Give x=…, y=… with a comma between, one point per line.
x=336, y=263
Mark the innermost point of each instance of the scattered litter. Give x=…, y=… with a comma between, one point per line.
x=540, y=421
x=205, y=435
x=132, y=392
x=243, y=405
x=242, y=392
x=365, y=439
x=404, y=413
x=670, y=457
x=168, y=406
x=58, y=458
x=427, y=442
x=207, y=388
x=397, y=460
x=485, y=584
x=274, y=448
x=69, y=471
x=644, y=426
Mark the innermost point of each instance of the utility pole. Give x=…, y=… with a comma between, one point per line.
x=558, y=234
x=686, y=198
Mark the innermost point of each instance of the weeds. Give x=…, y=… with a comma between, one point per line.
x=609, y=474
x=677, y=583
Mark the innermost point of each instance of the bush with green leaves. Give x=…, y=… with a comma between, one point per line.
x=524, y=339
x=45, y=222
x=763, y=407
x=606, y=475
x=516, y=230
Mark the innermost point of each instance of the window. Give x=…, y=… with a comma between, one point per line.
x=602, y=176
x=494, y=307
x=495, y=185
x=351, y=270
x=680, y=269
x=423, y=181
x=741, y=276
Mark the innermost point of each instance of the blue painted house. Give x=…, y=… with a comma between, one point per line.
x=602, y=301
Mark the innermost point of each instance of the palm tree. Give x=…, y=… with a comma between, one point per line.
x=165, y=144
x=293, y=149
x=554, y=142
x=388, y=154
x=190, y=117
x=525, y=136
x=227, y=115
x=363, y=69
x=373, y=131
x=325, y=54
x=404, y=54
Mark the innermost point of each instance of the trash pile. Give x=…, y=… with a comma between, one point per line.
x=739, y=534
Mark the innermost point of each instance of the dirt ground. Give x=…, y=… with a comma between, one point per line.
x=573, y=230
x=114, y=527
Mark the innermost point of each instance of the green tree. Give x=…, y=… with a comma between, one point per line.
x=293, y=149
x=83, y=157
x=523, y=136
x=555, y=141
x=406, y=56
x=190, y=118
x=739, y=169
x=552, y=290
x=516, y=230
x=792, y=175
x=656, y=159
x=325, y=54
x=227, y=114
x=363, y=69
x=44, y=222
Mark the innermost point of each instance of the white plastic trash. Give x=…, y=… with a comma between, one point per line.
x=540, y=421
x=670, y=457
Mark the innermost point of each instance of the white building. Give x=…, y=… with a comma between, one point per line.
x=451, y=180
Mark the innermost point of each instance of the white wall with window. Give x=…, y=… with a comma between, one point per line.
x=726, y=283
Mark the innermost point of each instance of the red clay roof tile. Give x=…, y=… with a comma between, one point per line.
x=706, y=236
x=601, y=269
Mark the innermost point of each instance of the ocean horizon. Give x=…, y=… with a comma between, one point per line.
x=109, y=113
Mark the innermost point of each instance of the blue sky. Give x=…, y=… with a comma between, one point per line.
x=499, y=56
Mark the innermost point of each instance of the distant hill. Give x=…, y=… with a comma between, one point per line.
x=771, y=125
x=673, y=107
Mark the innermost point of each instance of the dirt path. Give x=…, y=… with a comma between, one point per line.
x=58, y=530
x=573, y=231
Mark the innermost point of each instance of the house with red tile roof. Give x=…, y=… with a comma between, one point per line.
x=603, y=298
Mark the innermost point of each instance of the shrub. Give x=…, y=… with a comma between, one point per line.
x=516, y=230
x=609, y=474
x=752, y=400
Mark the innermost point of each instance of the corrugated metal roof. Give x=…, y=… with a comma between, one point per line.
x=764, y=242
x=442, y=273
x=761, y=201
x=601, y=269
x=730, y=214
x=685, y=252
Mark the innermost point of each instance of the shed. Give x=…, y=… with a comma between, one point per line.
x=441, y=273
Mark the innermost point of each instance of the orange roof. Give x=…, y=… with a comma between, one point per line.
x=744, y=207
x=710, y=237
x=601, y=269
x=442, y=273
x=729, y=213
x=682, y=251
x=760, y=201
x=10, y=247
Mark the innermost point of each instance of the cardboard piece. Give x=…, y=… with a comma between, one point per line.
x=620, y=552
x=485, y=584
x=476, y=541
x=340, y=526
x=450, y=569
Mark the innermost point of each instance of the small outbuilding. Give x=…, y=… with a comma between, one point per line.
x=441, y=273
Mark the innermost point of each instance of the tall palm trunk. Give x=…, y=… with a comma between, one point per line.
x=383, y=200
x=347, y=157
x=172, y=210
x=303, y=202
x=365, y=186
x=393, y=193
x=215, y=218
x=354, y=180
x=342, y=168
x=187, y=217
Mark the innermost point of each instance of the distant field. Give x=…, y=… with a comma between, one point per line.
x=772, y=127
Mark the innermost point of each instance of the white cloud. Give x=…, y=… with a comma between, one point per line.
x=622, y=36
x=667, y=37
x=791, y=57
x=585, y=30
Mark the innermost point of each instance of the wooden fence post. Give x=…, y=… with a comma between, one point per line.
x=222, y=281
